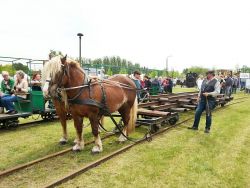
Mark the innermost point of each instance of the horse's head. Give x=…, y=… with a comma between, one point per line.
x=60, y=72
x=55, y=74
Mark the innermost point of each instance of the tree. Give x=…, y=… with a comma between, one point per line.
x=153, y=74
x=8, y=68
x=110, y=73
x=196, y=69
x=54, y=53
x=245, y=69
x=174, y=74
x=123, y=71
x=20, y=66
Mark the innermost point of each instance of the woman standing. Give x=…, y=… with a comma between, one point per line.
x=20, y=90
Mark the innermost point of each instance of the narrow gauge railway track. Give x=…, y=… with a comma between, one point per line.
x=98, y=162
x=50, y=156
x=33, y=123
x=122, y=150
x=29, y=124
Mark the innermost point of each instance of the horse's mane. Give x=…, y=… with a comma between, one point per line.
x=53, y=66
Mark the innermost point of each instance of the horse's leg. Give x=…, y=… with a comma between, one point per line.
x=78, y=126
x=64, y=138
x=125, y=113
x=98, y=142
x=102, y=123
x=60, y=110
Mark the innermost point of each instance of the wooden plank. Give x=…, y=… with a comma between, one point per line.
x=189, y=106
x=178, y=109
x=184, y=100
x=164, y=106
x=147, y=104
x=163, y=99
x=153, y=113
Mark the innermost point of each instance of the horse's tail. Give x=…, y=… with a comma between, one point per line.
x=133, y=117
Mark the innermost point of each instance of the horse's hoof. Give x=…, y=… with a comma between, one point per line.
x=96, y=149
x=63, y=141
x=122, y=138
x=77, y=148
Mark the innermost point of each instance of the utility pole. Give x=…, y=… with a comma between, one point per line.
x=80, y=47
x=167, y=64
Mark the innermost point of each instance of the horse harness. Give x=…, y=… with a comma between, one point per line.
x=89, y=101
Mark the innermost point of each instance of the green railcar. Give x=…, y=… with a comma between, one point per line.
x=33, y=104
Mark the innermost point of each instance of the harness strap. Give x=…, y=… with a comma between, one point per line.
x=81, y=90
x=90, y=89
x=90, y=102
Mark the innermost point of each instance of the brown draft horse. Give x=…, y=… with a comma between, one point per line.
x=89, y=98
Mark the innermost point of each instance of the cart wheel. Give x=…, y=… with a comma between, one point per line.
x=173, y=121
x=11, y=123
x=44, y=117
x=154, y=128
x=50, y=116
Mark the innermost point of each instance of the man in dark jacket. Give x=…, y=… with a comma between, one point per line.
x=210, y=88
x=7, y=85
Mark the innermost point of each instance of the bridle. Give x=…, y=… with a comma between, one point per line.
x=60, y=87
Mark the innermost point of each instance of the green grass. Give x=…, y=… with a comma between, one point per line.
x=180, y=158
x=25, y=144
x=184, y=158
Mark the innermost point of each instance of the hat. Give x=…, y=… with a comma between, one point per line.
x=210, y=72
x=137, y=72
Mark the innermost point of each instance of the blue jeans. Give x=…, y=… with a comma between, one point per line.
x=7, y=102
x=200, y=108
x=1, y=98
x=228, y=91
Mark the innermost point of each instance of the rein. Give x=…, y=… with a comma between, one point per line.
x=113, y=83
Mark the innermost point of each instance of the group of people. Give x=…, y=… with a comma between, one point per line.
x=228, y=84
x=159, y=84
x=209, y=87
x=14, y=89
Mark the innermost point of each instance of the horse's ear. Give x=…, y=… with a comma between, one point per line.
x=63, y=60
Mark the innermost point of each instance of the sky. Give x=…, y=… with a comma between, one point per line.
x=208, y=33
